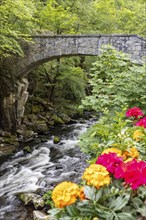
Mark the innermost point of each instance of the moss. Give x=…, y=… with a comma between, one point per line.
x=56, y=140
x=57, y=120
x=36, y=109
x=27, y=149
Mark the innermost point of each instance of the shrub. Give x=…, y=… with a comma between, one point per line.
x=116, y=81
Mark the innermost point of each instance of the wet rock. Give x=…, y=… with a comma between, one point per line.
x=27, y=149
x=32, y=117
x=38, y=215
x=46, y=105
x=57, y=120
x=8, y=144
x=41, y=127
x=6, y=150
x=56, y=140
x=32, y=198
x=37, y=109
x=65, y=118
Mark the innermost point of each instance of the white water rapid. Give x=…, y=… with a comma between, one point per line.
x=47, y=165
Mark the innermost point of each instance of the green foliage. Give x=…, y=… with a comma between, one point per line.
x=61, y=83
x=113, y=202
x=116, y=81
x=47, y=198
x=110, y=16
x=71, y=84
x=111, y=129
x=17, y=21
x=56, y=18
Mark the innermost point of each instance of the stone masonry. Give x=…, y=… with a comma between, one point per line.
x=45, y=48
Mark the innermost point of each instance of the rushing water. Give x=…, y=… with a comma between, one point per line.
x=47, y=165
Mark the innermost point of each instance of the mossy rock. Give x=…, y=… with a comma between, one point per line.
x=57, y=120
x=32, y=117
x=27, y=149
x=56, y=140
x=28, y=133
x=37, y=108
x=11, y=140
x=6, y=150
x=41, y=126
x=32, y=198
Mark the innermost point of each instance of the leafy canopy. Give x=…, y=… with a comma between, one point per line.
x=17, y=20
x=116, y=81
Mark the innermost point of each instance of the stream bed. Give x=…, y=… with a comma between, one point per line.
x=40, y=170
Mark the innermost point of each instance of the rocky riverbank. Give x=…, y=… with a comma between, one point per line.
x=32, y=126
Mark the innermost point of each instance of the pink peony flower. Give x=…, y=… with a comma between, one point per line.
x=112, y=163
x=134, y=173
x=141, y=122
x=134, y=112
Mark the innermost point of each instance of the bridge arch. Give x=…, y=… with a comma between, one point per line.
x=45, y=48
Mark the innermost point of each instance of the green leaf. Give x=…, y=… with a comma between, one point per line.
x=98, y=195
x=54, y=211
x=142, y=210
x=120, y=202
x=125, y=216
x=89, y=192
x=72, y=210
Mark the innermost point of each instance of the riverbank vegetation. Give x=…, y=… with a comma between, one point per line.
x=113, y=186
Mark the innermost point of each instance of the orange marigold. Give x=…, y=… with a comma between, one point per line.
x=65, y=194
x=137, y=135
x=132, y=152
x=96, y=175
x=81, y=193
x=113, y=150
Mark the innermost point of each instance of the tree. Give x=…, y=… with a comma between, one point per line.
x=119, y=16
x=17, y=21
x=56, y=18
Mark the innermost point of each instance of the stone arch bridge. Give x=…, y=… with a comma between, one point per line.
x=45, y=48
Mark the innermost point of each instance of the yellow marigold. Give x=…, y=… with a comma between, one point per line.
x=137, y=135
x=128, y=160
x=113, y=150
x=96, y=175
x=132, y=152
x=81, y=193
x=65, y=194
x=125, y=154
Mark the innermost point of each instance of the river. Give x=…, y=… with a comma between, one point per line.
x=40, y=170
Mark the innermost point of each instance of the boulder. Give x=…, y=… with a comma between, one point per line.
x=8, y=144
x=32, y=199
x=56, y=139
x=41, y=127
x=38, y=215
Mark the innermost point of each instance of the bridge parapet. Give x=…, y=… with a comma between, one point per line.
x=49, y=47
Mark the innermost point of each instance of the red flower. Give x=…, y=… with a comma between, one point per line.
x=141, y=122
x=134, y=112
x=134, y=173
x=112, y=163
